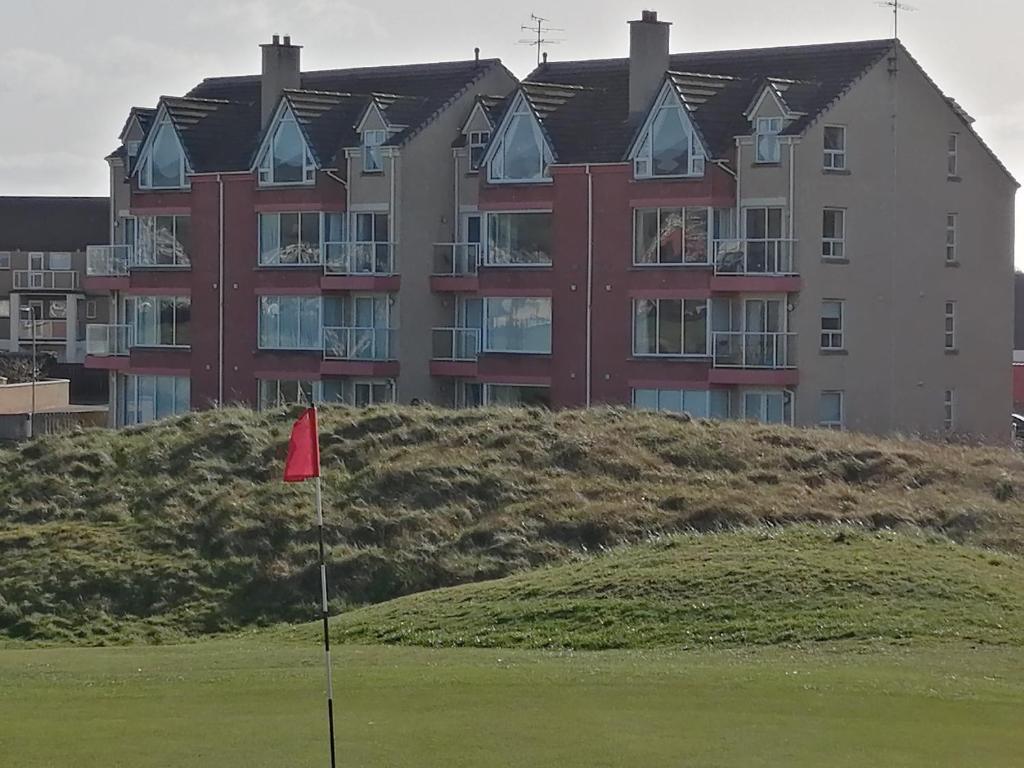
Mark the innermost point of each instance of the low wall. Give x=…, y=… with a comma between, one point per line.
x=16, y=426
x=51, y=394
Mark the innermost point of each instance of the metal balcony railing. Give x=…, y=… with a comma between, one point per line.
x=370, y=258
x=456, y=259
x=45, y=330
x=45, y=279
x=754, y=350
x=359, y=343
x=456, y=343
x=108, y=340
x=108, y=260
x=766, y=256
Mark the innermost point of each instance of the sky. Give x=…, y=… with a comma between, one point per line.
x=70, y=70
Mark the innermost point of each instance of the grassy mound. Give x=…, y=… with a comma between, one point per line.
x=793, y=585
x=184, y=527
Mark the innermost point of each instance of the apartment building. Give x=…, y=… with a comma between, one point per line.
x=812, y=235
x=42, y=269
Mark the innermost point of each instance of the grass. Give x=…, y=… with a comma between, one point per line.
x=783, y=586
x=253, y=704
x=183, y=528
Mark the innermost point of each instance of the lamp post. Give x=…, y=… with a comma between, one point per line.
x=31, y=310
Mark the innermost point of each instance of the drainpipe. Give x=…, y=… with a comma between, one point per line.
x=590, y=278
x=220, y=296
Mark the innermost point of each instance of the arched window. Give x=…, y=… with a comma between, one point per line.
x=286, y=159
x=163, y=167
x=521, y=154
x=669, y=146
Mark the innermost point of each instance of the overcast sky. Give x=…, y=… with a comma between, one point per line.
x=70, y=70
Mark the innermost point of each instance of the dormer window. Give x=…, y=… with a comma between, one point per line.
x=477, y=145
x=286, y=157
x=521, y=153
x=163, y=167
x=766, y=139
x=132, y=147
x=372, y=141
x=668, y=145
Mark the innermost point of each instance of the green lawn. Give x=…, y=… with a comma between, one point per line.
x=245, y=702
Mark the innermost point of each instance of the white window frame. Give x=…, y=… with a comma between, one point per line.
x=760, y=130
x=949, y=410
x=371, y=142
x=485, y=235
x=489, y=386
x=487, y=340
x=834, y=248
x=835, y=159
x=952, y=238
x=839, y=425
x=643, y=151
x=495, y=158
x=264, y=403
x=5, y=260
x=36, y=261
x=477, y=140
x=764, y=394
x=950, y=326
x=265, y=160
x=5, y=309
x=299, y=346
x=132, y=302
x=953, y=155
x=682, y=328
x=709, y=240
x=277, y=215
x=145, y=166
x=91, y=309
x=833, y=339
x=149, y=248
x=178, y=382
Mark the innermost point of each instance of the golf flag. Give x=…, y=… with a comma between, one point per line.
x=303, y=460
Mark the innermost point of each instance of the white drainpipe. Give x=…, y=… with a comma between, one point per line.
x=590, y=279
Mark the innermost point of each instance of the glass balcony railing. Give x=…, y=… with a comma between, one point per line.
x=370, y=258
x=754, y=350
x=456, y=259
x=769, y=256
x=456, y=343
x=45, y=279
x=108, y=260
x=359, y=343
x=108, y=340
x=45, y=330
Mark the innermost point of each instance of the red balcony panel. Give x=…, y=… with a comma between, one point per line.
x=515, y=369
x=287, y=364
x=651, y=373
x=516, y=197
x=165, y=203
x=112, y=363
x=756, y=284
x=376, y=369
x=160, y=282
x=749, y=377
x=454, y=284
x=374, y=283
x=689, y=282
x=288, y=280
x=106, y=283
x=516, y=281
x=160, y=361
x=461, y=369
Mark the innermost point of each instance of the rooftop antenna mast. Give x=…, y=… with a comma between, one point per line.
x=896, y=7
x=538, y=26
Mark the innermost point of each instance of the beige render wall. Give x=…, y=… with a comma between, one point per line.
x=426, y=210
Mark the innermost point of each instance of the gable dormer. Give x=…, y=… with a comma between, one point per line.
x=668, y=144
x=769, y=114
x=476, y=132
x=162, y=162
x=519, y=152
x=374, y=131
x=284, y=156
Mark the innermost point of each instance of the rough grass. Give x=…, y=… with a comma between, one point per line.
x=183, y=527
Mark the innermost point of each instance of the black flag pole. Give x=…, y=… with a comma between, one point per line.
x=325, y=614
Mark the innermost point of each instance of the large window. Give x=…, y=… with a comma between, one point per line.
x=286, y=158
x=835, y=148
x=371, y=250
x=670, y=327
x=290, y=322
x=277, y=393
x=163, y=241
x=830, y=410
x=146, y=398
x=952, y=224
x=671, y=236
x=700, y=403
x=832, y=324
x=517, y=325
x=768, y=407
x=518, y=239
x=164, y=165
x=359, y=392
x=950, y=326
x=373, y=162
x=514, y=396
x=160, y=321
x=669, y=145
x=953, y=155
x=833, y=233
x=290, y=238
x=766, y=139
x=521, y=153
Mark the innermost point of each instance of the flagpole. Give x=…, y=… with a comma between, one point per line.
x=325, y=615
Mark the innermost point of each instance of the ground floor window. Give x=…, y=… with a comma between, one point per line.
x=699, y=403
x=277, y=393
x=468, y=394
x=513, y=395
x=769, y=407
x=146, y=398
x=830, y=410
x=359, y=392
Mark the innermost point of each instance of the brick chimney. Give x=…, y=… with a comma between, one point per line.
x=648, y=61
x=280, y=71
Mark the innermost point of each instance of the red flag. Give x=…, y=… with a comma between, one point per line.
x=303, y=460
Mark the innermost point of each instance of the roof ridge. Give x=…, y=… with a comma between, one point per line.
x=353, y=70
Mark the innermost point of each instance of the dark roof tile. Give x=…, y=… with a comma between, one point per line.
x=53, y=223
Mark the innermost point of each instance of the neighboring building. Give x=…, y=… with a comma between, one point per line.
x=42, y=269
x=812, y=235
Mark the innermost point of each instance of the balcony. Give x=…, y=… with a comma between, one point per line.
x=456, y=344
x=372, y=259
x=45, y=330
x=45, y=280
x=108, y=260
x=752, y=256
x=359, y=344
x=456, y=259
x=754, y=350
x=108, y=340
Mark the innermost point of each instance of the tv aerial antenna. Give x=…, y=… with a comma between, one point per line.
x=897, y=8
x=539, y=27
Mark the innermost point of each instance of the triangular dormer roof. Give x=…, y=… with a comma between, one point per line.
x=672, y=93
x=162, y=117
x=285, y=111
x=772, y=88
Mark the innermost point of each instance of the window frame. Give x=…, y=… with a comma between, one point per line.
x=371, y=149
x=829, y=245
x=682, y=354
x=140, y=247
x=952, y=234
x=91, y=309
x=5, y=260
x=477, y=142
x=157, y=301
x=263, y=404
x=950, y=326
x=487, y=347
x=709, y=238
x=758, y=133
x=488, y=393
x=5, y=308
x=764, y=394
x=644, y=151
x=496, y=160
x=485, y=234
x=953, y=155
x=949, y=410
x=290, y=265
x=830, y=156
x=834, y=335
x=840, y=425
x=299, y=346
x=145, y=168
x=134, y=409
x=265, y=165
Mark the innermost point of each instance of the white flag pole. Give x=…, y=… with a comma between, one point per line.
x=323, y=606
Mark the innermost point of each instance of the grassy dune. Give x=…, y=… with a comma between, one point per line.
x=183, y=527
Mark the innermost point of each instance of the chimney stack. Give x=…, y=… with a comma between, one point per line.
x=280, y=71
x=648, y=61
